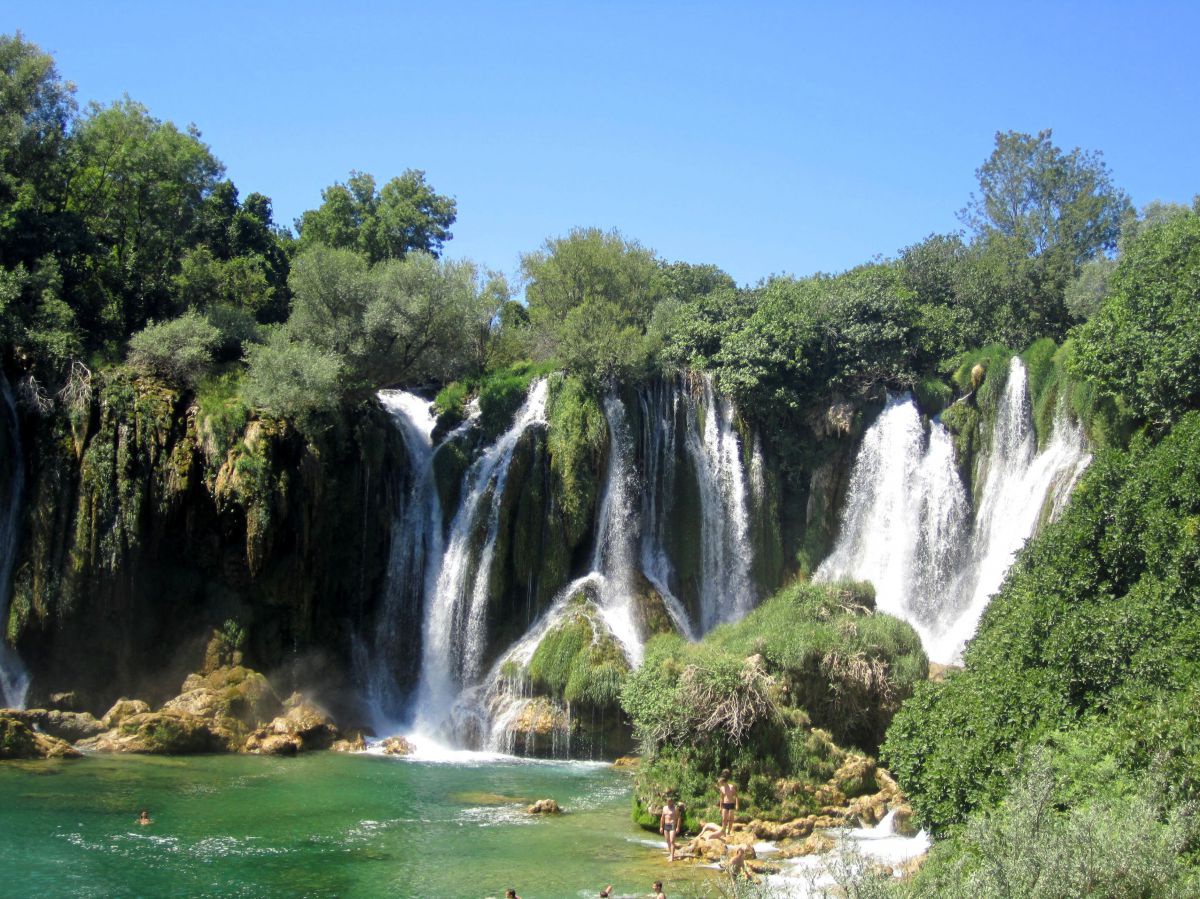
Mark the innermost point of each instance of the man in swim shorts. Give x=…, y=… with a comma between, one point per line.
x=729, y=800
x=668, y=824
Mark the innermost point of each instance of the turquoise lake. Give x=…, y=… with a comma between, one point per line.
x=324, y=824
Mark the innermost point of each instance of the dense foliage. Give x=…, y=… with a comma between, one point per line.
x=771, y=696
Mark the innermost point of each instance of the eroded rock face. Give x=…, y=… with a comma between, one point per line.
x=20, y=741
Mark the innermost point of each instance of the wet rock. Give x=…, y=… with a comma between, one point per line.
x=628, y=762
x=69, y=726
x=310, y=723
x=397, y=746
x=64, y=702
x=354, y=742
x=121, y=710
x=20, y=741
x=816, y=844
x=273, y=744
x=544, y=807
x=855, y=776
x=166, y=732
x=904, y=822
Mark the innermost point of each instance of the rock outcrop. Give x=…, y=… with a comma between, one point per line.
x=544, y=807
x=19, y=741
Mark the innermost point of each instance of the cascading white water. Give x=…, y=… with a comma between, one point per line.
x=906, y=518
x=14, y=680
x=713, y=449
x=726, y=588
x=416, y=545
x=907, y=526
x=1020, y=485
x=456, y=609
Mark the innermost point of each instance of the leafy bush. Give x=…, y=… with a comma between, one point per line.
x=292, y=379
x=1093, y=624
x=180, y=350
x=1142, y=348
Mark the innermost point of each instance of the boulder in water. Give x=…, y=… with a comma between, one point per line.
x=397, y=746
x=268, y=743
x=20, y=741
x=354, y=741
x=544, y=807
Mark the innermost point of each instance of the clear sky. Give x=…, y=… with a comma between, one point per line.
x=764, y=138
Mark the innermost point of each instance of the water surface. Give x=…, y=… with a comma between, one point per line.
x=321, y=825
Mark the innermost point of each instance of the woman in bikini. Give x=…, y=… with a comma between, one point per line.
x=729, y=800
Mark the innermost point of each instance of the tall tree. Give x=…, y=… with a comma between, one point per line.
x=1051, y=202
x=405, y=215
x=139, y=185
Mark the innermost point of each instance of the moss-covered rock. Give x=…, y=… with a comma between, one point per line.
x=19, y=741
x=168, y=732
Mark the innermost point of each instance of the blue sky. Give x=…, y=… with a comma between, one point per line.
x=761, y=137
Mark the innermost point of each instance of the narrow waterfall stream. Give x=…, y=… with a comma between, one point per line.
x=714, y=452
x=416, y=546
x=907, y=525
x=14, y=681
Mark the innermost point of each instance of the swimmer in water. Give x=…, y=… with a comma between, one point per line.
x=144, y=818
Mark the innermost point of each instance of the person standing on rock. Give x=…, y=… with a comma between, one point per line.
x=668, y=824
x=729, y=800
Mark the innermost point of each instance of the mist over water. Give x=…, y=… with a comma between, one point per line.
x=908, y=525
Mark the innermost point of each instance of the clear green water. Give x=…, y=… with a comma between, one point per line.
x=321, y=825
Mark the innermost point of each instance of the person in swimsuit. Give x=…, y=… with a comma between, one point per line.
x=658, y=893
x=737, y=865
x=511, y=894
x=729, y=800
x=668, y=824
x=144, y=818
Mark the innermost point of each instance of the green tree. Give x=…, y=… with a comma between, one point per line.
x=405, y=215
x=36, y=112
x=405, y=320
x=1143, y=347
x=1039, y=216
x=591, y=295
x=139, y=185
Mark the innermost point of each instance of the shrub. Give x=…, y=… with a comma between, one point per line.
x=180, y=350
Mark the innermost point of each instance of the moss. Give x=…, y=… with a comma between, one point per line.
x=577, y=662
x=578, y=441
x=933, y=395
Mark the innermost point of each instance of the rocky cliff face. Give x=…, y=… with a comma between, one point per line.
x=150, y=519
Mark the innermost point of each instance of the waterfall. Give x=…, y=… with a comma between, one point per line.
x=726, y=590
x=906, y=517
x=907, y=524
x=416, y=545
x=14, y=681
x=1020, y=487
x=714, y=452
x=456, y=606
